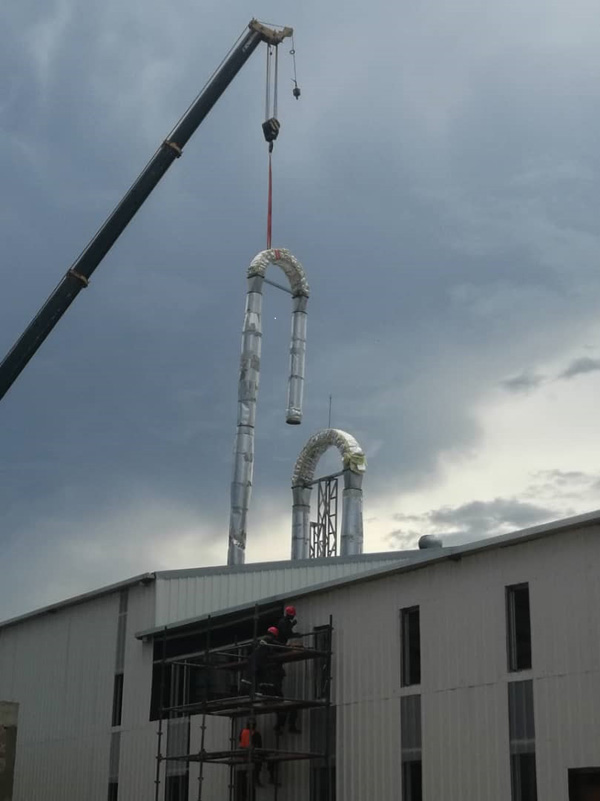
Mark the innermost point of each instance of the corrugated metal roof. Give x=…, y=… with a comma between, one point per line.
x=413, y=560
x=143, y=578
x=218, y=570
x=181, y=595
x=251, y=567
x=410, y=560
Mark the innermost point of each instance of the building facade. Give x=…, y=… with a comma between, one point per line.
x=469, y=674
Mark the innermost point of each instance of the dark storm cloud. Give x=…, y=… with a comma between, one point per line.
x=581, y=366
x=438, y=186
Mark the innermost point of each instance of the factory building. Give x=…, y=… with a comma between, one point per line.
x=466, y=673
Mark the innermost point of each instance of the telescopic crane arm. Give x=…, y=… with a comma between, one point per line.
x=79, y=274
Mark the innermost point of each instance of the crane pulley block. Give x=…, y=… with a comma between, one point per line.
x=271, y=129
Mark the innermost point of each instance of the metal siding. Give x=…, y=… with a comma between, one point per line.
x=48, y=662
x=138, y=733
x=464, y=670
x=192, y=596
x=215, y=779
x=63, y=679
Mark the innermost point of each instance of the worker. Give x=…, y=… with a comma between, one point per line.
x=289, y=716
x=286, y=626
x=286, y=632
x=259, y=673
x=250, y=737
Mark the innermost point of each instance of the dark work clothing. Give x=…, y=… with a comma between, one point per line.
x=286, y=629
x=256, y=738
x=260, y=670
x=258, y=762
x=289, y=716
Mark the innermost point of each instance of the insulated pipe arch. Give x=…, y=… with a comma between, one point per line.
x=243, y=460
x=353, y=459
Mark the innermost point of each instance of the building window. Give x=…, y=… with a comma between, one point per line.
x=518, y=627
x=522, y=741
x=176, y=788
x=320, y=665
x=410, y=634
x=117, y=709
x=410, y=745
x=322, y=771
x=113, y=765
x=584, y=784
x=177, y=772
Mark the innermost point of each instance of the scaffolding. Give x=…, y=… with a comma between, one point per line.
x=323, y=533
x=214, y=682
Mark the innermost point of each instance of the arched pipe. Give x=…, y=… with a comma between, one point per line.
x=243, y=459
x=353, y=459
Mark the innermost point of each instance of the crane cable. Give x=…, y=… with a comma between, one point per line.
x=271, y=124
x=271, y=128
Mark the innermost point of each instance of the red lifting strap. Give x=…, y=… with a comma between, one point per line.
x=269, y=206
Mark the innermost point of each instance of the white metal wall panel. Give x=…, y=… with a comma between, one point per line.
x=215, y=778
x=464, y=670
x=191, y=596
x=60, y=667
x=138, y=733
x=138, y=763
x=63, y=680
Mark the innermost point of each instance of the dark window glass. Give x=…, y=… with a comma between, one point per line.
x=518, y=625
x=322, y=778
x=176, y=788
x=412, y=781
x=322, y=788
x=520, y=716
x=320, y=665
x=113, y=791
x=410, y=745
x=410, y=626
x=522, y=774
x=117, y=709
x=584, y=784
x=521, y=725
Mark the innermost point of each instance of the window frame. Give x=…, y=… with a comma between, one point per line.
x=117, y=706
x=410, y=675
x=517, y=661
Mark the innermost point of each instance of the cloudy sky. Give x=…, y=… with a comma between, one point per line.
x=439, y=182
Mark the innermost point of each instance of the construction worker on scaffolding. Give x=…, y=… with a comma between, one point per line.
x=261, y=675
x=285, y=628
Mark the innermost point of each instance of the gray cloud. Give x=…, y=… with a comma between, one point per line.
x=580, y=366
x=522, y=383
x=473, y=520
x=464, y=236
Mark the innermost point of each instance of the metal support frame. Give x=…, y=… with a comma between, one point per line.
x=251, y=705
x=324, y=533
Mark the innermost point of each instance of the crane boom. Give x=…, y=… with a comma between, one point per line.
x=78, y=275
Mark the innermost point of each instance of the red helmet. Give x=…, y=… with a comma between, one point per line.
x=290, y=611
x=273, y=630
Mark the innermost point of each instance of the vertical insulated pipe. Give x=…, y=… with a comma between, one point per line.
x=351, y=539
x=353, y=458
x=243, y=458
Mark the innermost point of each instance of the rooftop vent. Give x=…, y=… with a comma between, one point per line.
x=430, y=541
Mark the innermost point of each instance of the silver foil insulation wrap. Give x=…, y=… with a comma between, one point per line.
x=353, y=458
x=243, y=459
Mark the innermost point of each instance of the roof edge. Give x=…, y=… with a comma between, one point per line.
x=419, y=559
x=143, y=578
x=188, y=572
